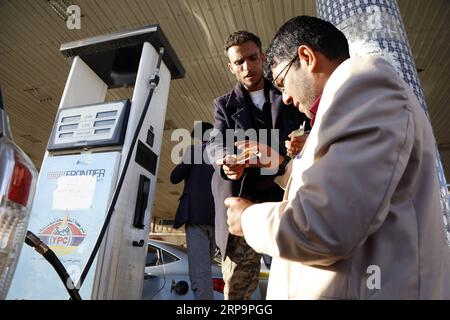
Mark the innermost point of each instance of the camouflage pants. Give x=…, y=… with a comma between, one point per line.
x=240, y=269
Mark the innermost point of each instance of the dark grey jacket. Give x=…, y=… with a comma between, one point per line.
x=231, y=111
x=196, y=203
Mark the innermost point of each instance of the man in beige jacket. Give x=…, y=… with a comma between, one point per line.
x=361, y=217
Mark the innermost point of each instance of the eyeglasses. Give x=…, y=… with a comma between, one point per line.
x=288, y=66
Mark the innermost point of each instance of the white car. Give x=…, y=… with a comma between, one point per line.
x=166, y=275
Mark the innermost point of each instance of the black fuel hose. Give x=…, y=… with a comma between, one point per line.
x=33, y=241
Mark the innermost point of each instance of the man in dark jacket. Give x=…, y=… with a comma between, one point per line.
x=253, y=104
x=196, y=212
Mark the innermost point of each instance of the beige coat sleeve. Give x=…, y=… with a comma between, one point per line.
x=260, y=224
x=282, y=180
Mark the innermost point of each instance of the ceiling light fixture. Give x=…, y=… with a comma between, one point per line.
x=60, y=7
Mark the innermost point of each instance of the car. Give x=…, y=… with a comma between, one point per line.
x=18, y=178
x=166, y=274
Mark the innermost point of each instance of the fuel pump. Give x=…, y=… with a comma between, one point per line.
x=95, y=148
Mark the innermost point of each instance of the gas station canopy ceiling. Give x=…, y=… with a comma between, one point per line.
x=33, y=71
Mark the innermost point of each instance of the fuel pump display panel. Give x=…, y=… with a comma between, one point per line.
x=87, y=126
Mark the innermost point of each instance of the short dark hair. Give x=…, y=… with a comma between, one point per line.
x=201, y=127
x=239, y=37
x=316, y=33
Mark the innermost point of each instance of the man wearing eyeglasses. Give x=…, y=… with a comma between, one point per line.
x=253, y=104
x=361, y=217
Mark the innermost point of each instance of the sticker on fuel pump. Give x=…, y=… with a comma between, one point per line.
x=63, y=236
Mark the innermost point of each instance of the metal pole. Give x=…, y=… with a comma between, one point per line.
x=375, y=27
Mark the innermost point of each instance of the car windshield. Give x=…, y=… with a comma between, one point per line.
x=217, y=259
x=158, y=256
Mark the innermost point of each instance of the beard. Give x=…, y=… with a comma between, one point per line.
x=310, y=93
x=309, y=100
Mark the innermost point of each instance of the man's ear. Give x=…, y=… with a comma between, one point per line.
x=308, y=56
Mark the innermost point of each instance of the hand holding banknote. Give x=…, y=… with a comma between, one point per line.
x=298, y=139
x=232, y=168
x=234, y=165
x=258, y=154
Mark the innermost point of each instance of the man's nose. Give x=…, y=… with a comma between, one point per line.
x=246, y=65
x=287, y=99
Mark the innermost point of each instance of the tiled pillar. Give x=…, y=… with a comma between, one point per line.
x=375, y=27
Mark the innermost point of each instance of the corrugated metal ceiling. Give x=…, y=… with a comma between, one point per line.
x=33, y=71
